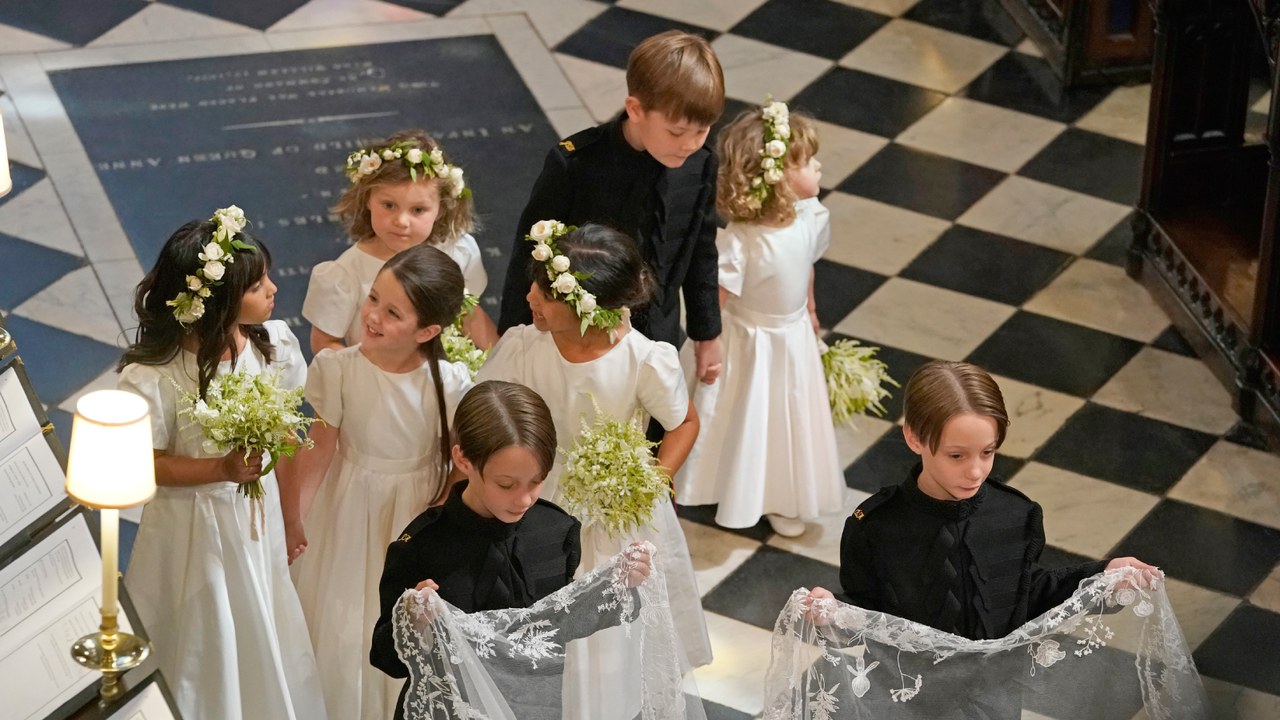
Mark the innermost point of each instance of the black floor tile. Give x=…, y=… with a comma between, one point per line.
x=1124, y=448
x=1090, y=163
x=758, y=590
x=23, y=177
x=819, y=27
x=982, y=19
x=866, y=102
x=732, y=108
x=1201, y=546
x=1172, y=341
x=439, y=8
x=1243, y=650
x=27, y=268
x=901, y=364
x=1053, y=558
x=838, y=289
x=1005, y=467
x=987, y=265
x=887, y=462
x=1054, y=354
x=1251, y=436
x=610, y=36
x=1113, y=248
x=716, y=711
x=258, y=14
x=706, y=515
x=71, y=21
x=921, y=181
x=1027, y=84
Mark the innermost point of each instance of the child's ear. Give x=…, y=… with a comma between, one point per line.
x=635, y=109
x=913, y=442
x=425, y=334
x=461, y=462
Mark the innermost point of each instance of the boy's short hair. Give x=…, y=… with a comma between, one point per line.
x=940, y=389
x=677, y=74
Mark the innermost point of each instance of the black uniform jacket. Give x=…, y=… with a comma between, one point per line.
x=479, y=564
x=596, y=176
x=967, y=567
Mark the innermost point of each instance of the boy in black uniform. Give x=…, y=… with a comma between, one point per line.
x=946, y=548
x=647, y=174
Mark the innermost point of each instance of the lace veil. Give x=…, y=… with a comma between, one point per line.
x=1113, y=651
x=509, y=664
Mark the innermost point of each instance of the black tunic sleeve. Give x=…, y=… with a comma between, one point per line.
x=572, y=551
x=1048, y=588
x=702, y=281
x=858, y=577
x=550, y=200
x=398, y=574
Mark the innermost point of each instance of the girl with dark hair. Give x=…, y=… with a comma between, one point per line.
x=380, y=458
x=580, y=354
x=228, y=628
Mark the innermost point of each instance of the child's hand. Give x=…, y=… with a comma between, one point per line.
x=234, y=468
x=427, y=584
x=1142, y=579
x=638, y=564
x=707, y=354
x=295, y=539
x=813, y=320
x=818, y=613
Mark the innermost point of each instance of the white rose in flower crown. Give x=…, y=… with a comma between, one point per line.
x=455, y=174
x=776, y=111
x=565, y=283
x=773, y=177
x=437, y=157
x=194, y=311
x=414, y=156
x=204, y=292
x=560, y=263
x=369, y=164
x=754, y=203
x=212, y=251
x=442, y=171
x=775, y=148
x=541, y=252
x=783, y=131
x=232, y=217
x=388, y=154
x=755, y=181
x=214, y=270
x=458, y=187
x=194, y=283
x=542, y=230
x=587, y=303
x=768, y=163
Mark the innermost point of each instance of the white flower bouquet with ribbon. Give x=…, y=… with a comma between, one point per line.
x=855, y=379
x=457, y=346
x=610, y=477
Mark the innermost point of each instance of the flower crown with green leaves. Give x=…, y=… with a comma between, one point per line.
x=188, y=306
x=777, y=140
x=566, y=285
x=365, y=162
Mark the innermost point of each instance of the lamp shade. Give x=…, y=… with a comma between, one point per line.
x=6, y=182
x=111, y=464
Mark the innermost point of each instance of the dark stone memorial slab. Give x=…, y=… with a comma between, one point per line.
x=173, y=141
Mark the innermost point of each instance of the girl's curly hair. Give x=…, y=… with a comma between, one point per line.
x=456, y=213
x=739, y=149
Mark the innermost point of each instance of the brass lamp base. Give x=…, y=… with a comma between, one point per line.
x=111, y=652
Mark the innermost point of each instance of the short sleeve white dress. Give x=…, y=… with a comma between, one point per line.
x=635, y=373
x=338, y=287
x=767, y=443
x=222, y=614
x=386, y=470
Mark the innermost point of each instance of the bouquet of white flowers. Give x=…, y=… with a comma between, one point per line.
x=854, y=379
x=457, y=346
x=251, y=412
x=610, y=477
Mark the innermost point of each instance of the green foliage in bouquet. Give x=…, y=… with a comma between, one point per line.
x=610, y=477
x=457, y=346
x=855, y=379
x=248, y=411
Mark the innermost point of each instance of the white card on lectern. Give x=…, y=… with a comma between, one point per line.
x=146, y=705
x=31, y=484
x=18, y=422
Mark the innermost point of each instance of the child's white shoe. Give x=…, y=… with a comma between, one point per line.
x=785, y=526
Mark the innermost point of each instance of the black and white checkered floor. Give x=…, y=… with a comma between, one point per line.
x=980, y=212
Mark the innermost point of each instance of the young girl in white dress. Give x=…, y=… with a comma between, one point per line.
x=569, y=365
x=395, y=202
x=221, y=612
x=767, y=446
x=381, y=457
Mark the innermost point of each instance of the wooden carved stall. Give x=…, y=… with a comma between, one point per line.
x=1205, y=232
x=1087, y=41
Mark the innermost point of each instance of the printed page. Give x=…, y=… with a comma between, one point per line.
x=31, y=482
x=18, y=422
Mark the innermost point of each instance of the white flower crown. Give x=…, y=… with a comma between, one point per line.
x=188, y=306
x=565, y=283
x=777, y=140
x=365, y=162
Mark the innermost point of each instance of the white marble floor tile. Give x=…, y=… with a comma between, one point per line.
x=842, y=150
x=601, y=88
x=753, y=69
x=427, y=29
x=105, y=381
x=120, y=279
x=876, y=236
x=1172, y=388
x=161, y=23
x=77, y=304
x=1081, y=514
x=534, y=63
x=1236, y=480
x=16, y=40
x=340, y=13
x=1026, y=47
x=554, y=20
x=88, y=207
x=17, y=142
x=714, y=14
x=27, y=85
x=884, y=7
x=925, y=319
x=1035, y=414
x=36, y=214
x=1262, y=104
x=924, y=56
x=821, y=538
x=1044, y=214
x=736, y=675
x=155, y=52
x=1240, y=703
x=568, y=121
x=1268, y=593
x=854, y=439
x=715, y=553
x=981, y=134
x=1103, y=297
x=1122, y=114
x=1199, y=610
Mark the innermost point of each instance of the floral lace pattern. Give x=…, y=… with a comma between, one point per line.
x=833, y=661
